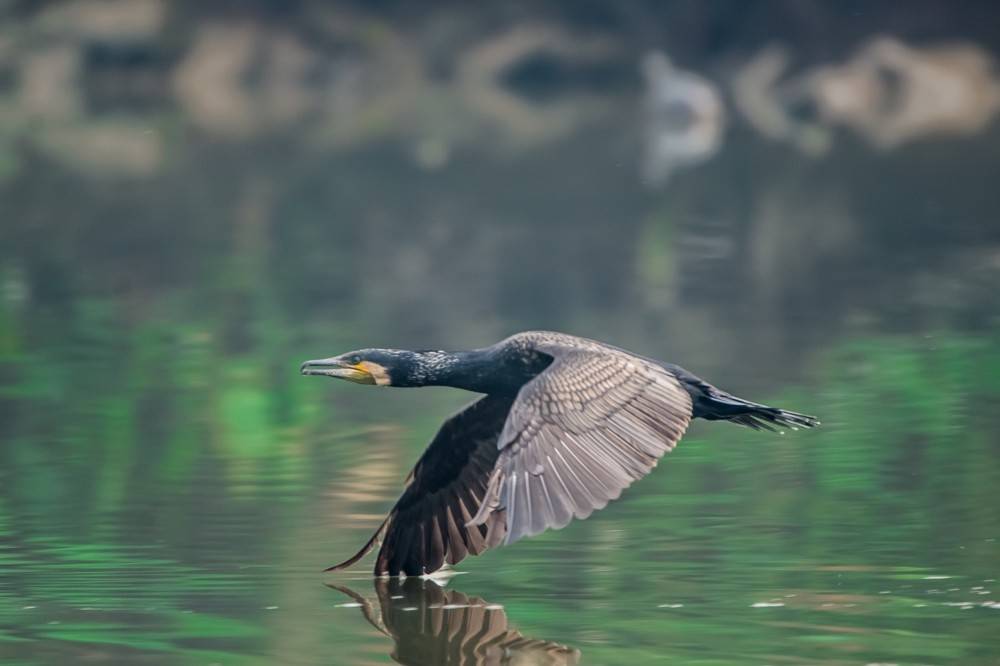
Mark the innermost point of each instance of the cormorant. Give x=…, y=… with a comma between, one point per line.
x=565, y=425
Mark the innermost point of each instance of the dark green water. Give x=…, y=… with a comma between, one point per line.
x=872, y=540
x=168, y=500
x=171, y=488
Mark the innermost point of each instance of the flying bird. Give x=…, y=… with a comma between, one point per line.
x=565, y=425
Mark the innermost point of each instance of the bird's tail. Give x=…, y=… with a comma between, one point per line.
x=719, y=405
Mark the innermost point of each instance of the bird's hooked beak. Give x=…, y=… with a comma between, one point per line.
x=358, y=373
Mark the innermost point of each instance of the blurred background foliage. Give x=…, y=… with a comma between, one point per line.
x=793, y=199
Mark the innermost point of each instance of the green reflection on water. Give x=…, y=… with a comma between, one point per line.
x=154, y=515
x=64, y=600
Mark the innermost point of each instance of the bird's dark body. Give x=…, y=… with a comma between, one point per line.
x=504, y=368
x=565, y=425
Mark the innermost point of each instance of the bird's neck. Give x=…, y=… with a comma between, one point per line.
x=480, y=370
x=469, y=370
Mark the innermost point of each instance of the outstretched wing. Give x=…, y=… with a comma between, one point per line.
x=578, y=434
x=429, y=525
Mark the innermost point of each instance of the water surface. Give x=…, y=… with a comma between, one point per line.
x=171, y=488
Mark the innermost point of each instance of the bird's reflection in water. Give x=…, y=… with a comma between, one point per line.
x=432, y=625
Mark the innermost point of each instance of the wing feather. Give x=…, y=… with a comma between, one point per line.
x=430, y=523
x=596, y=420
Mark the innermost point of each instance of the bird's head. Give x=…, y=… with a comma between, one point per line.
x=382, y=367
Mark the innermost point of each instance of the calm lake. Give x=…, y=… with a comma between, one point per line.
x=171, y=488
